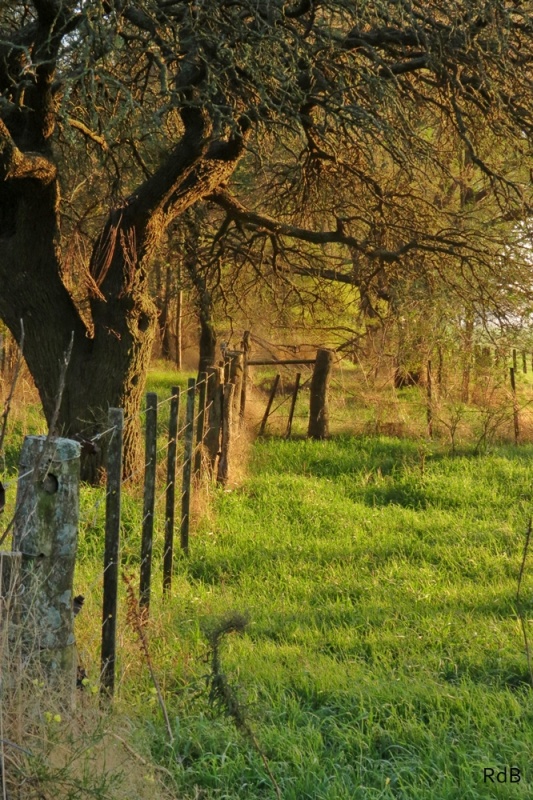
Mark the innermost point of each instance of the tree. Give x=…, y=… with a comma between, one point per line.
x=133, y=112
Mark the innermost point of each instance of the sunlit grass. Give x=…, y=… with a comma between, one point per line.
x=383, y=657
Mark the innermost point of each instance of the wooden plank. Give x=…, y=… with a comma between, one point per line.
x=262, y=363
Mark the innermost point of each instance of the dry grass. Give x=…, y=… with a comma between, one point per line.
x=56, y=744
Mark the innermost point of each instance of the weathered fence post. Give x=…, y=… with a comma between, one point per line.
x=214, y=415
x=245, y=374
x=200, y=424
x=235, y=377
x=429, y=392
x=269, y=404
x=46, y=533
x=224, y=465
x=318, y=410
x=149, y=500
x=516, y=421
x=524, y=361
x=187, y=467
x=170, y=493
x=111, y=553
x=440, y=368
x=293, y=405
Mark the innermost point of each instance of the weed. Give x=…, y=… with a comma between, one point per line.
x=221, y=693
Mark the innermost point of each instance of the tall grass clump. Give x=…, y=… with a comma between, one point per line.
x=56, y=745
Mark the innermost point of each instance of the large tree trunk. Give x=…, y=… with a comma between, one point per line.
x=108, y=365
x=106, y=369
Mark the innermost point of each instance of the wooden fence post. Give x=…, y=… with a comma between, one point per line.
x=187, y=467
x=440, y=368
x=179, y=319
x=293, y=405
x=214, y=415
x=170, y=493
x=429, y=391
x=524, y=361
x=245, y=374
x=516, y=421
x=224, y=465
x=236, y=367
x=149, y=500
x=269, y=404
x=45, y=532
x=318, y=411
x=111, y=553
x=200, y=425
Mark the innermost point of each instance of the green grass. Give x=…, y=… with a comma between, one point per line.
x=383, y=658
x=161, y=379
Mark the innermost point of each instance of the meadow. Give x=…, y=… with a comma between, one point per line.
x=379, y=652
x=383, y=656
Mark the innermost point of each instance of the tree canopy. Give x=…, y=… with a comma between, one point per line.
x=392, y=139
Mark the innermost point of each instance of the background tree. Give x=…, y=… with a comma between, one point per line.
x=133, y=112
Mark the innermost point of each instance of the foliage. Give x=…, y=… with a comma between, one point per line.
x=385, y=146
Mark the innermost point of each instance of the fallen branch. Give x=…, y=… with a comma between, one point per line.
x=222, y=694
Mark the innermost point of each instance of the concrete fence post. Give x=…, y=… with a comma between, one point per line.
x=46, y=533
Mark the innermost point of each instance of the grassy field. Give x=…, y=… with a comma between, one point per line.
x=383, y=657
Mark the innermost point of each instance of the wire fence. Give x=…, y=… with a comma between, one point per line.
x=189, y=435
x=179, y=449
